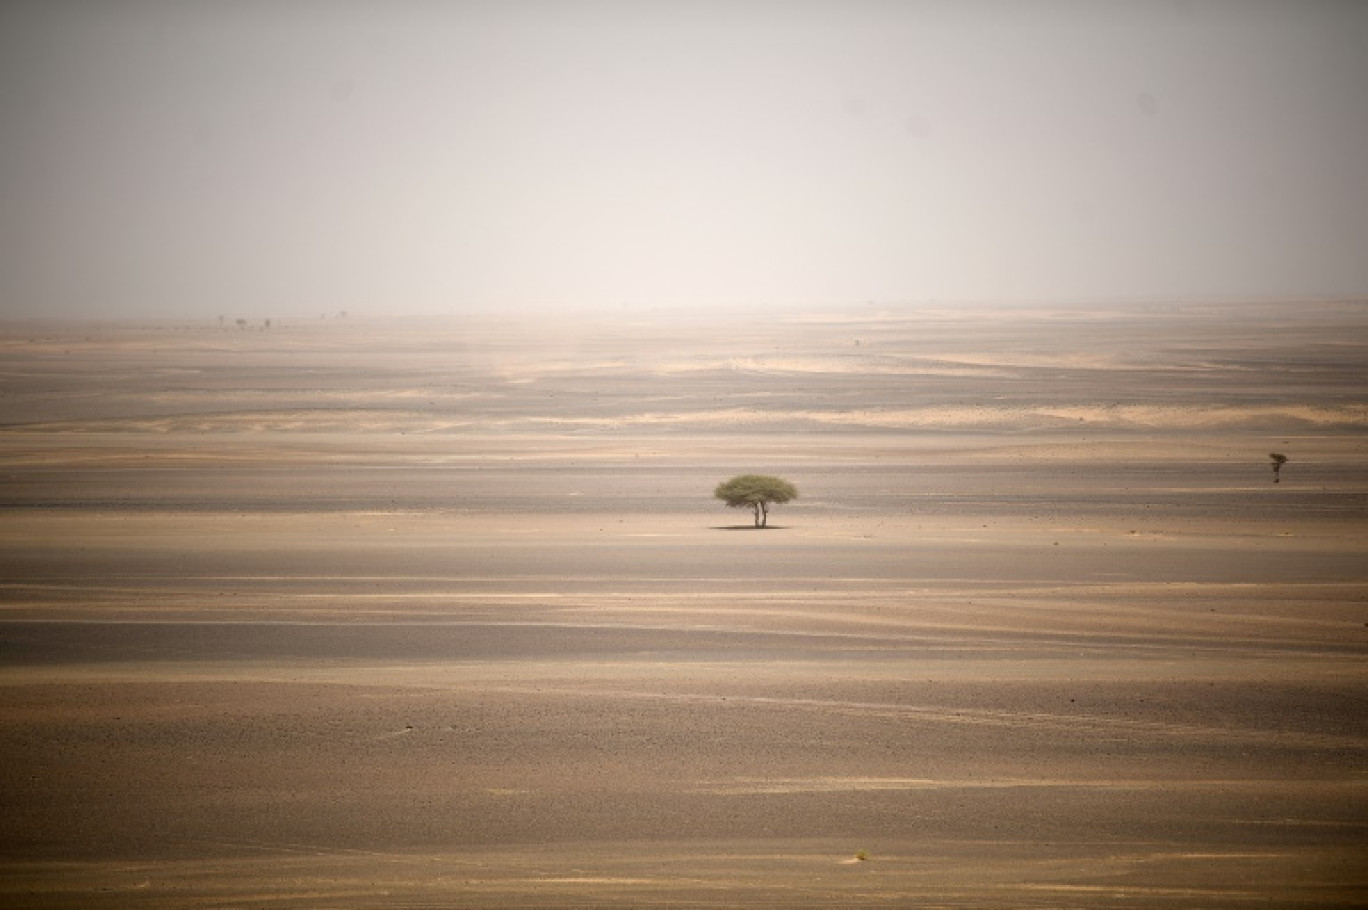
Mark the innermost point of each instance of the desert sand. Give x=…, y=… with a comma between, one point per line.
x=441, y=612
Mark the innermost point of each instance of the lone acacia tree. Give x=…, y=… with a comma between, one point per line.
x=1278, y=461
x=755, y=492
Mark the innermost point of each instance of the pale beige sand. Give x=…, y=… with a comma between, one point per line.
x=442, y=614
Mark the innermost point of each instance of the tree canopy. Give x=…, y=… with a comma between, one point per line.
x=755, y=492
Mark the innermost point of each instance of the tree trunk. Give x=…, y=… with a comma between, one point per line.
x=756, y=507
x=764, y=515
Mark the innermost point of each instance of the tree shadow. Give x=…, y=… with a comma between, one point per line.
x=749, y=528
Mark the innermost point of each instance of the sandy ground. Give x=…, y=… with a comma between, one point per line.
x=442, y=613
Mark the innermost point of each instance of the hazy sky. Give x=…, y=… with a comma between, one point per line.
x=275, y=158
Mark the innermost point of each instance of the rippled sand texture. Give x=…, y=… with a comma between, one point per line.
x=442, y=613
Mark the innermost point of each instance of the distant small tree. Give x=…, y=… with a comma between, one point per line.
x=755, y=492
x=1278, y=462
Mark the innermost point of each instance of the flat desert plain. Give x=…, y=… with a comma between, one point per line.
x=367, y=612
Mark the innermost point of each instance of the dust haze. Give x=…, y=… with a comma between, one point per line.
x=299, y=158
